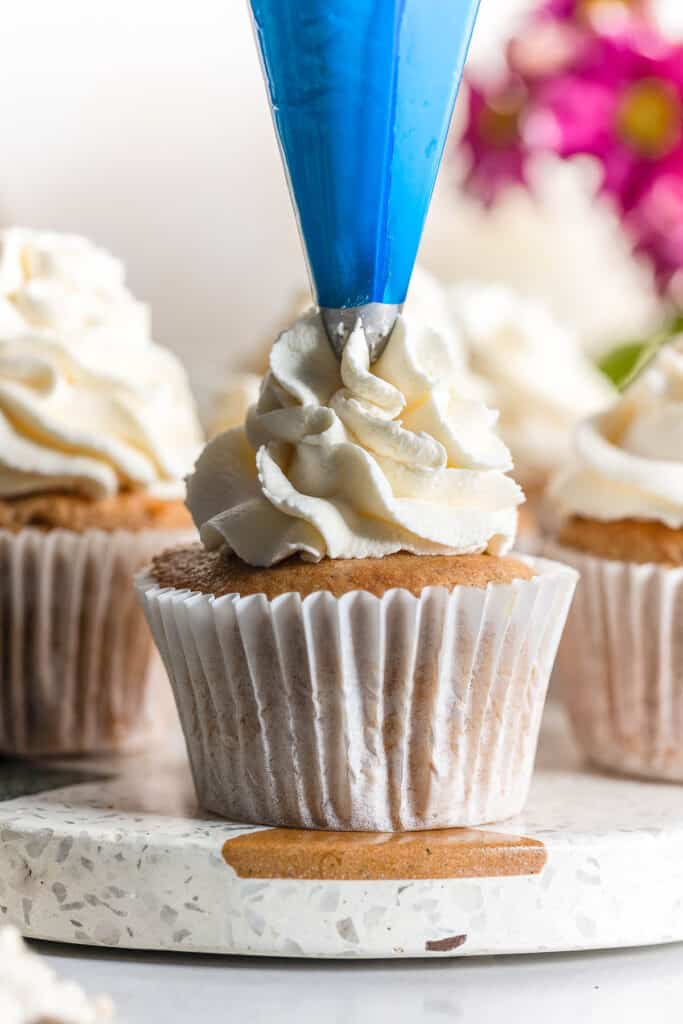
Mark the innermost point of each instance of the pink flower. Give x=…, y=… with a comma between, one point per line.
x=655, y=218
x=492, y=138
x=547, y=47
x=592, y=77
x=604, y=17
x=626, y=109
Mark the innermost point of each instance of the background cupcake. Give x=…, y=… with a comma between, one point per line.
x=621, y=662
x=534, y=371
x=97, y=427
x=354, y=649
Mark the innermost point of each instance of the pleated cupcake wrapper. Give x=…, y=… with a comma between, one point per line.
x=620, y=664
x=363, y=713
x=78, y=671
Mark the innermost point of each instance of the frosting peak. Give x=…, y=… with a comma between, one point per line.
x=629, y=460
x=88, y=402
x=344, y=460
x=63, y=283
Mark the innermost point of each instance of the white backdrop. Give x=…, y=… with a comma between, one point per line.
x=143, y=124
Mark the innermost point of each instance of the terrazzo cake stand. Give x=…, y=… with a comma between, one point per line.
x=117, y=854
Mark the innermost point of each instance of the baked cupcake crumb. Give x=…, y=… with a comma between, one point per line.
x=624, y=540
x=129, y=510
x=219, y=573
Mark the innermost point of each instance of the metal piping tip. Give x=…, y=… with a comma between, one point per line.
x=378, y=321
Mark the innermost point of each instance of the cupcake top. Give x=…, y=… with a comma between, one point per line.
x=89, y=404
x=339, y=459
x=535, y=371
x=629, y=460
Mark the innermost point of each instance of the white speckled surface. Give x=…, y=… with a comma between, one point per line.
x=131, y=862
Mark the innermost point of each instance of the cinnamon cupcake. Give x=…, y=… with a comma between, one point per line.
x=97, y=427
x=621, y=507
x=535, y=372
x=352, y=648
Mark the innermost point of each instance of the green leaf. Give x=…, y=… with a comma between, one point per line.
x=619, y=364
x=624, y=364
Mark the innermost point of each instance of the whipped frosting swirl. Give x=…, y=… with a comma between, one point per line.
x=341, y=460
x=64, y=284
x=533, y=370
x=89, y=404
x=629, y=460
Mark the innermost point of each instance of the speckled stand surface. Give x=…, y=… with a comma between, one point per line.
x=118, y=854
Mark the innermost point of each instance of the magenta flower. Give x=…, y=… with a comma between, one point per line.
x=655, y=218
x=547, y=47
x=592, y=77
x=626, y=110
x=604, y=17
x=492, y=138
x=566, y=35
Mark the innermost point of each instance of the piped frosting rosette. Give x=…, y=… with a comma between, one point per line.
x=89, y=404
x=341, y=460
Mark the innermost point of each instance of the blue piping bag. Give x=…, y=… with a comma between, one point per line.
x=362, y=93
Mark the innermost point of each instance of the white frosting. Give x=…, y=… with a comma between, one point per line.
x=30, y=991
x=629, y=460
x=535, y=371
x=232, y=405
x=65, y=284
x=560, y=239
x=514, y=354
x=88, y=402
x=345, y=461
x=428, y=302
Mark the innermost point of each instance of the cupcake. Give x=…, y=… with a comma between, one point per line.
x=352, y=648
x=97, y=428
x=621, y=510
x=536, y=374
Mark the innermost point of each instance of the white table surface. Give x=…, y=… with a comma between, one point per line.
x=637, y=985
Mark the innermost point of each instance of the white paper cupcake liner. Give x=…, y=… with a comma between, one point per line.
x=363, y=713
x=78, y=671
x=620, y=665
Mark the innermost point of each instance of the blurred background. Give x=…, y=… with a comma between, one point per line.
x=145, y=127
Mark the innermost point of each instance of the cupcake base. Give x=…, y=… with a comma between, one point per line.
x=78, y=671
x=620, y=664
x=358, y=712
x=625, y=540
x=129, y=510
